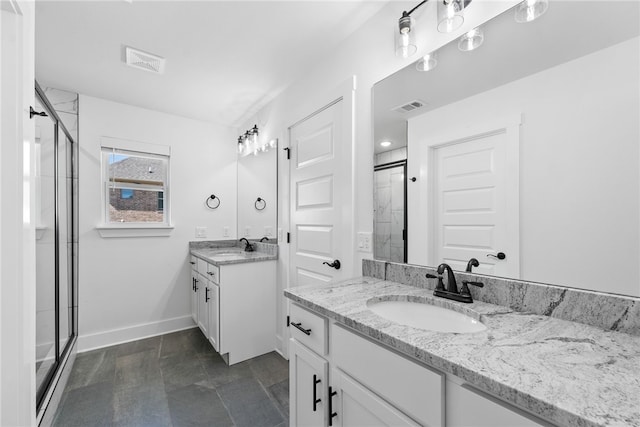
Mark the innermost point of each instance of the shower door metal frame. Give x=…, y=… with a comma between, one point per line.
x=60, y=356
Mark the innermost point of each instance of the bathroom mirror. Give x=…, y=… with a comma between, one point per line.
x=257, y=194
x=527, y=146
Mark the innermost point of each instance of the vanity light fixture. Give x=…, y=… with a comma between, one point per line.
x=530, y=10
x=428, y=62
x=449, y=19
x=450, y=14
x=471, y=40
x=249, y=143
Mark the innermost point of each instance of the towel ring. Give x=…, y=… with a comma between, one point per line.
x=212, y=197
x=260, y=202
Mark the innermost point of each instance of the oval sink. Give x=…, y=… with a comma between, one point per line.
x=226, y=254
x=426, y=316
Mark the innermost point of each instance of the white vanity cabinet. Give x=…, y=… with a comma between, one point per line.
x=235, y=307
x=338, y=378
x=336, y=371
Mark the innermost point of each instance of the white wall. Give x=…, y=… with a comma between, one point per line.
x=17, y=217
x=579, y=166
x=135, y=287
x=369, y=55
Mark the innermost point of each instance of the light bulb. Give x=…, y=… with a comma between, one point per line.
x=530, y=10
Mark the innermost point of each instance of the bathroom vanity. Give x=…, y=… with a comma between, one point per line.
x=233, y=298
x=350, y=366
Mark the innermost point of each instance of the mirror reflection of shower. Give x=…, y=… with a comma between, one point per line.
x=390, y=190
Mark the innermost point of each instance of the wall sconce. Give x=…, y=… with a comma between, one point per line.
x=449, y=19
x=450, y=14
x=428, y=62
x=249, y=143
x=530, y=10
x=471, y=40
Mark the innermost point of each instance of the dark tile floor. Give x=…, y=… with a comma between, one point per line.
x=174, y=380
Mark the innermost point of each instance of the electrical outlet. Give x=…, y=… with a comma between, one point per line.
x=247, y=231
x=225, y=232
x=279, y=234
x=364, y=241
x=201, y=232
x=268, y=231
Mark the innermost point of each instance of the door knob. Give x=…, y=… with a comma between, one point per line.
x=335, y=264
x=499, y=255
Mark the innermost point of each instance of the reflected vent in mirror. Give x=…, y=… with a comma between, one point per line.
x=410, y=106
x=144, y=61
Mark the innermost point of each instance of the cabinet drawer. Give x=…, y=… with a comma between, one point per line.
x=315, y=325
x=201, y=266
x=414, y=389
x=213, y=273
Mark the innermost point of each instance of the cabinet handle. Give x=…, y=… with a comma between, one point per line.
x=331, y=413
x=299, y=327
x=192, y=263
x=206, y=295
x=195, y=284
x=316, y=381
x=210, y=273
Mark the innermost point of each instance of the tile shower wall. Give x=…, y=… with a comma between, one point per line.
x=389, y=207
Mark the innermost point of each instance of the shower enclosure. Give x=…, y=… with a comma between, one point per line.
x=56, y=208
x=390, y=190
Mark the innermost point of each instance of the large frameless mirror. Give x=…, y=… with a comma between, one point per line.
x=523, y=153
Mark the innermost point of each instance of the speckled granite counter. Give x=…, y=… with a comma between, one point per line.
x=230, y=252
x=569, y=373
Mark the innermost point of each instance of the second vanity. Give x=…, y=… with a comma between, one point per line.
x=233, y=297
x=350, y=366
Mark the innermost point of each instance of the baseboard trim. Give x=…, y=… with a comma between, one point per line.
x=132, y=333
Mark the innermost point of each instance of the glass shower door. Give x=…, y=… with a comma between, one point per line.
x=389, y=232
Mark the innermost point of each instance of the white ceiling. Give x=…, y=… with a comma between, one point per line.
x=225, y=59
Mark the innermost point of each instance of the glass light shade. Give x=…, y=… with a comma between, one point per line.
x=471, y=40
x=530, y=10
x=428, y=62
x=405, y=42
x=450, y=14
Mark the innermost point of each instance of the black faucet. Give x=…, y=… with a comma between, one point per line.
x=451, y=278
x=452, y=288
x=248, y=247
x=264, y=238
x=472, y=263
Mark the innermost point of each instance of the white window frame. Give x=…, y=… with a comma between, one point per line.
x=107, y=229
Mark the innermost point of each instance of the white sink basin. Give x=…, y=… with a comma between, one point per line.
x=426, y=316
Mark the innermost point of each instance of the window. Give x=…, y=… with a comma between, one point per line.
x=136, y=184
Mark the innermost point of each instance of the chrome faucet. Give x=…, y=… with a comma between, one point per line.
x=248, y=247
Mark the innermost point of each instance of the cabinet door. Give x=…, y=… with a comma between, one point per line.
x=307, y=385
x=352, y=404
x=469, y=407
x=194, y=296
x=214, y=316
x=203, y=305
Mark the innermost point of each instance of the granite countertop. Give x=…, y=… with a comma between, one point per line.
x=569, y=373
x=231, y=255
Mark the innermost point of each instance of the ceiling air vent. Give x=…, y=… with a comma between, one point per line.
x=144, y=61
x=410, y=106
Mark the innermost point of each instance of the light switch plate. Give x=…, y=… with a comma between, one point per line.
x=279, y=234
x=201, y=232
x=365, y=240
x=268, y=231
x=225, y=232
x=247, y=231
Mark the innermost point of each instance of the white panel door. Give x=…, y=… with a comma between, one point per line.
x=214, y=315
x=319, y=190
x=471, y=215
x=203, y=304
x=194, y=296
